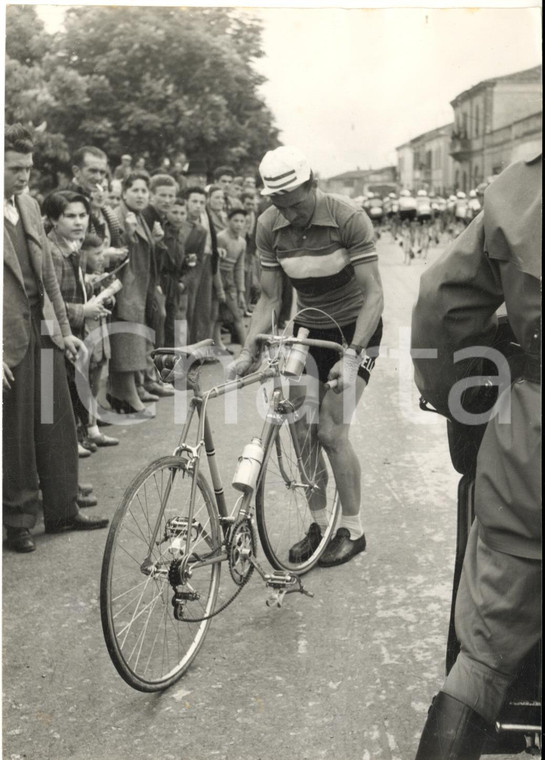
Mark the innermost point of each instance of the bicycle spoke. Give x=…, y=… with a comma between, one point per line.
x=149, y=646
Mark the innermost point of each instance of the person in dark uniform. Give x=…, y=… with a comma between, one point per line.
x=39, y=431
x=496, y=261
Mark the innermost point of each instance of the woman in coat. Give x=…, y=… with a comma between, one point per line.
x=131, y=339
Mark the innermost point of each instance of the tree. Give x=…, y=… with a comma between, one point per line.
x=153, y=80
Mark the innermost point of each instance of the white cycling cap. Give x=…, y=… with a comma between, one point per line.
x=283, y=169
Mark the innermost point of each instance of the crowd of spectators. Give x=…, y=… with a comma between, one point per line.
x=142, y=259
x=183, y=254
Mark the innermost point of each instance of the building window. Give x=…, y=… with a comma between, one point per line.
x=477, y=122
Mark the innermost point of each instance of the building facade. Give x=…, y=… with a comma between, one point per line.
x=496, y=122
x=425, y=163
x=360, y=181
x=405, y=168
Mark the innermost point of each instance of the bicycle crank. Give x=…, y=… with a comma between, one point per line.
x=282, y=584
x=241, y=546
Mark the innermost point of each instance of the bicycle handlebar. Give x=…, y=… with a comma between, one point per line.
x=291, y=340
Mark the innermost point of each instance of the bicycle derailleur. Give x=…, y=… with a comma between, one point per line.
x=177, y=531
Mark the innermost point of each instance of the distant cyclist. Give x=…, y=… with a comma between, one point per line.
x=461, y=209
x=376, y=211
x=407, y=219
x=423, y=217
x=326, y=248
x=391, y=211
x=473, y=205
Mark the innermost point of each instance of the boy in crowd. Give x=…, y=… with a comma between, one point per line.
x=177, y=219
x=231, y=268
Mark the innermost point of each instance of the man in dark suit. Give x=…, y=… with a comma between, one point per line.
x=39, y=432
x=200, y=279
x=90, y=168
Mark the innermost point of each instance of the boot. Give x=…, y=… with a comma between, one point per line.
x=453, y=731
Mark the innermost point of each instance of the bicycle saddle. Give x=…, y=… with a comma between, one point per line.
x=175, y=361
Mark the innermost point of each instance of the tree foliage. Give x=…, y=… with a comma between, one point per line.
x=141, y=80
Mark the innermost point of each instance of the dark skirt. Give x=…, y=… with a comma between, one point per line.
x=130, y=348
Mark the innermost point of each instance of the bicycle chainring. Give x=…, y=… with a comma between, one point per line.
x=241, y=546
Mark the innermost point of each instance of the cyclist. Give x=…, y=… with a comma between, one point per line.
x=439, y=209
x=407, y=218
x=326, y=248
x=461, y=209
x=376, y=212
x=423, y=217
x=473, y=205
x=391, y=208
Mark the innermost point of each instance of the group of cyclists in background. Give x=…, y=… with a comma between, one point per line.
x=418, y=220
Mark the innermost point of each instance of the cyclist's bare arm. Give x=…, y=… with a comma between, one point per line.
x=368, y=279
x=270, y=300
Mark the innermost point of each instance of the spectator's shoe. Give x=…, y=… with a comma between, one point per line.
x=120, y=406
x=304, y=549
x=86, y=501
x=144, y=396
x=341, y=549
x=159, y=389
x=78, y=522
x=89, y=445
x=20, y=540
x=82, y=452
x=103, y=440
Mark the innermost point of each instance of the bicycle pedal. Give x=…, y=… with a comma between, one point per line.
x=275, y=600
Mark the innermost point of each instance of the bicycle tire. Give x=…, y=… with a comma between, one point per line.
x=148, y=646
x=283, y=511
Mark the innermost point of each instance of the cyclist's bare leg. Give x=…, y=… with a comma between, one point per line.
x=333, y=433
x=305, y=398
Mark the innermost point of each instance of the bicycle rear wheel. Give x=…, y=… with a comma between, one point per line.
x=291, y=487
x=146, y=547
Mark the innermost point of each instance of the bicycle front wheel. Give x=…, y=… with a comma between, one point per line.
x=152, y=538
x=296, y=481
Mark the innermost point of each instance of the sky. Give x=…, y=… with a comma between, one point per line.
x=348, y=86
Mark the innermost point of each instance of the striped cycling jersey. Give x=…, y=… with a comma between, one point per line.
x=320, y=259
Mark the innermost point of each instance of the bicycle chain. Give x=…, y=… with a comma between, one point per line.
x=245, y=580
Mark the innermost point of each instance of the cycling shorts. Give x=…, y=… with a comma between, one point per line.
x=324, y=358
x=407, y=213
x=424, y=218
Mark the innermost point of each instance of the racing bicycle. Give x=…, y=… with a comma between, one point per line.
x=173, y=534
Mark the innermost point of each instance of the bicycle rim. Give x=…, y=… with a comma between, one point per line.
x=284, y=503
x=150, y=648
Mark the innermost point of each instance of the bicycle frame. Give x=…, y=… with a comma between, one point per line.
x=279, y=409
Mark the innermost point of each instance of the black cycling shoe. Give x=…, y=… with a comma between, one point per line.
x=304, y=549
x=341, y=549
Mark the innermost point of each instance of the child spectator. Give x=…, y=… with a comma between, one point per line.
x=231, y=268
x=177, y=218
x=92, y=252
x=68, y=213
x=251, y=265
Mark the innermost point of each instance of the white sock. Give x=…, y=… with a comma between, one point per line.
x=321, y=516
x=353, y=524
x=93, y=431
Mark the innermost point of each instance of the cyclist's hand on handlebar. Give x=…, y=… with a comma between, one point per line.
x=241, y=365
x=345, y=372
